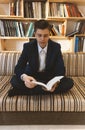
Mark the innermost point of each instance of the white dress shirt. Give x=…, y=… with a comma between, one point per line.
x=42, y=57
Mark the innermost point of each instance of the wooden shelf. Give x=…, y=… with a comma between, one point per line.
x=80, y=35
x=20, y=18
x=5, y=1
x=60, y=37
x=69, y=1
x=65, y=18
x=16, y=38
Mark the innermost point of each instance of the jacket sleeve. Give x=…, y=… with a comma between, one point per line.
x=59, y=64
x=21, y=64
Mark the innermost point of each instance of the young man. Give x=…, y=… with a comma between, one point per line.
x=33, y=65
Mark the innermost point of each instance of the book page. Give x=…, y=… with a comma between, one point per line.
x=39, y=83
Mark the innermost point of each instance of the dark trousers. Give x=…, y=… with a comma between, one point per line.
x=20, y=89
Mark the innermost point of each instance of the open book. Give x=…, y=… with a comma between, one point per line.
x=50, y=83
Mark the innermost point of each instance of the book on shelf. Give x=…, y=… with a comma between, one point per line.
x=80, y=44
x=76, y=44
x=84, y=45
x=82, y=28
x=25, y=26
x=57, y=29
x=12, y=8
x=74, y=11
x=2, y=30
x=21, y=29
x=34, y=9
x=30, y=30
x=50, y=83
x=72, y=33
x=75, y=27
x=15, y=7
x=16, y=28
x=63, y=10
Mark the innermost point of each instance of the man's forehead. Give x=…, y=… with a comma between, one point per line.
x=42, y=30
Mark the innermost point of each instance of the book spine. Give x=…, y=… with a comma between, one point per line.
x=12, y=8
x=84, y=45
x=76, y=44
x=21, y=29
x=2, y=31
x=28, y=34
x=17, y=29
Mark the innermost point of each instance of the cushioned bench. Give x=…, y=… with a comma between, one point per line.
x=67, y=108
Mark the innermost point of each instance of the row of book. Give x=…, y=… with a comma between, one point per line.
x=37, y=9
x=15, y=8
x=16, y=28
x=80, y=44
x=63, y=10
x=76, y=27
x=26, y=29
x=34, y=9
x=57, y=29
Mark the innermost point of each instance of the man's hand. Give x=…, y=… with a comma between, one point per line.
x=28, y=81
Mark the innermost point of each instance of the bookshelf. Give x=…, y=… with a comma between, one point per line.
x=13, y=17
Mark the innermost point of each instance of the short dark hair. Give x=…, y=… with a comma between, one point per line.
x=41, y=24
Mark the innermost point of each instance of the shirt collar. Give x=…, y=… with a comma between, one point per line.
x=39, y=48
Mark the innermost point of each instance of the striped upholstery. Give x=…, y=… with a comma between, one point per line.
x=8, y=61
x=74, y=63
x=74, y=100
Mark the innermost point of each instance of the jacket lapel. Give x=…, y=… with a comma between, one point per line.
x=34, y=56
x=49, y=55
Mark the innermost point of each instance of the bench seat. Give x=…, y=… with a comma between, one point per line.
x=72, y=101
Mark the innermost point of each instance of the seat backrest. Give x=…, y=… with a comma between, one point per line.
x=74, y=63
x=8, y=60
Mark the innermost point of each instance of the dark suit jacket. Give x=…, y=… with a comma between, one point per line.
x=29, y=61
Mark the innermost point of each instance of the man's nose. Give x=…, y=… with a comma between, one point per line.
x=42, y=37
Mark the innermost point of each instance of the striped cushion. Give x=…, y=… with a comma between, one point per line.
x=8, y=61
x=74, y=63
x=74, y=100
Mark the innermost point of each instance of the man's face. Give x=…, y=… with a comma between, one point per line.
x=42, y=36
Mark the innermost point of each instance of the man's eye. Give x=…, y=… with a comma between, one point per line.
x=46, y=35
x=43, y=35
